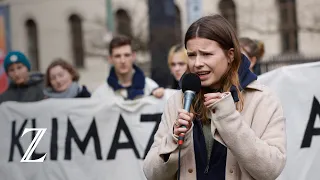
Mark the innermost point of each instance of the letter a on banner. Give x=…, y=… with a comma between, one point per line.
x=311, y=130
x=33, y=145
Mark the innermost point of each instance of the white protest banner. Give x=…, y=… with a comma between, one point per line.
x=102, y=139
x=298, y=88
x=85, y=139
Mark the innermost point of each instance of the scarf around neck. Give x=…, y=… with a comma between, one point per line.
x=137, y=86
x=245, y=77
x=71, y=92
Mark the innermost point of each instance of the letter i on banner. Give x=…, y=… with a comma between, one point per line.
x=33, y=145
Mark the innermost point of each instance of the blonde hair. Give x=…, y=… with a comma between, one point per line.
x=218, y=29
x=177, y=49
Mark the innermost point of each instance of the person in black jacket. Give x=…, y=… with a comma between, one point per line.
x=24, y=86
x=62, y=81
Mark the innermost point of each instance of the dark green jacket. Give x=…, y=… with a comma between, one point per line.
x=30, y=92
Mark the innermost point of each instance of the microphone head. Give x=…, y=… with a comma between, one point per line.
x=191, y=82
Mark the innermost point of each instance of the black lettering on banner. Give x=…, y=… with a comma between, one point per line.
x=311, y=130
x=54, y=140
x=35, y=155
x=117, y=145
x=15, y=139
x=72, y=134
x=151, y=118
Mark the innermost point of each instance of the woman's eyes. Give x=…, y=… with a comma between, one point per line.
x=203, y=54
x=206, y=54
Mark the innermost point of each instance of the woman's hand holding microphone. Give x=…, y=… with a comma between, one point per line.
x=183, y=122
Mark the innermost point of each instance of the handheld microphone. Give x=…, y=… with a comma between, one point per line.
x=191, y=85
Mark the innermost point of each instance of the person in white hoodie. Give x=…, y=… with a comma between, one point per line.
x=126, y=80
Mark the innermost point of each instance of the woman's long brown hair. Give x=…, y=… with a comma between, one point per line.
x=218, y=29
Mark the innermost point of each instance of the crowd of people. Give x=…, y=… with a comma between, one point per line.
x=125, y=80
x=236, y=127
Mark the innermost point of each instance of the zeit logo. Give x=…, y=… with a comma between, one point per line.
x=31, y=155
x=33, y=145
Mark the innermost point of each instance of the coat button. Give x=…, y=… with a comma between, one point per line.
x=213, y=111
x=190, y=170
x=231, y=170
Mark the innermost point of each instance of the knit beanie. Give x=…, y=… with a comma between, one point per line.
x=16, y=57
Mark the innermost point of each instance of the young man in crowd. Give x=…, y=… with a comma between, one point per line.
x=23, y=87
x=126, y=80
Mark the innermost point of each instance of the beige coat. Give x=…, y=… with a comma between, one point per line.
x=255, y=138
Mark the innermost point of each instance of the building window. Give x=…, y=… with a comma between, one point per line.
x=288, y=26
x=123, y=23
x=228, y=11
x=76, y=34
x=32, y=44
x=177, y=27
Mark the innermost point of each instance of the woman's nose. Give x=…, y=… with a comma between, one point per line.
x=176, y=68
x=58, y=80
x=198, y=62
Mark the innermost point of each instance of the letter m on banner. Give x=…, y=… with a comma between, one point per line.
x=33, y=145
